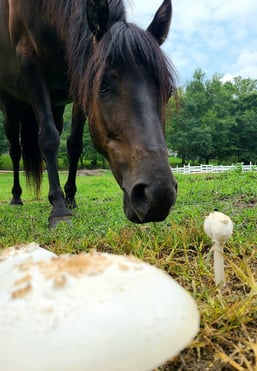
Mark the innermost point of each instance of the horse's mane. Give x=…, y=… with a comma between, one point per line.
x=69, y=17
x=124, y=43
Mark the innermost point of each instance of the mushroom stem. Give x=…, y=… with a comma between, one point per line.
x=219, y=263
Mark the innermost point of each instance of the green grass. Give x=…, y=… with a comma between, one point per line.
x=228, y=336
x=175, y=161
x=5, y=162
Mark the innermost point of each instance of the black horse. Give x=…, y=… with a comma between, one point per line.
x=56, y=51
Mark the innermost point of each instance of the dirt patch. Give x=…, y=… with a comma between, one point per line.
x=244, y=202
x=88, y=172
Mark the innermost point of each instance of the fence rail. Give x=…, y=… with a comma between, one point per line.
x=202, y=169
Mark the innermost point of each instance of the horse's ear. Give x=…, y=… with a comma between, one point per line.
x=159, y=28
x=97, y=17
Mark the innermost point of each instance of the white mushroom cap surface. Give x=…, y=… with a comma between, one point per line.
x=90, y=312
x=218, y=227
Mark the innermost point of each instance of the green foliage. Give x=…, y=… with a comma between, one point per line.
x=214, y=120
x=90, y=157
x=5, y=162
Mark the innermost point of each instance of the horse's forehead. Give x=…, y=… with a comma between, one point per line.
x=125, y=63
x=126, y=69
x=138, y=73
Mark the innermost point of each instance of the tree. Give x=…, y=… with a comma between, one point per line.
x=220, y=118
x=247, y=127
x=188, y=136
x=242, y=87
x=215, y=120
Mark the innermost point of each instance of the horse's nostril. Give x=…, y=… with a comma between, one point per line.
x=139, y=198
x=152, y=202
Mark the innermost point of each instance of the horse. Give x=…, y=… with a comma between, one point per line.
x=53, y=52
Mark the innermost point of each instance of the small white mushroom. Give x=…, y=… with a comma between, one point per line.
x=219, y=228
x=90, y=312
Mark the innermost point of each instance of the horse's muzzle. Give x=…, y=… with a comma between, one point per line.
x=149, y=202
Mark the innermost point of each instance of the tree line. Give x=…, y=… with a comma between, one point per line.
x=208, y=120
x=211, y=120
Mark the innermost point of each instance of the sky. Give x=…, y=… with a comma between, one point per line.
x=218, y=36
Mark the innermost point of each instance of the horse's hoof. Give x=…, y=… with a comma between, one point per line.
x=16, y=202
x=55, y=220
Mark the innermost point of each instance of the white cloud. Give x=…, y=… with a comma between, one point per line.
x=218, y=36
x=236, y=10
x=227, y=77
x=142, y=12
x=246, y=64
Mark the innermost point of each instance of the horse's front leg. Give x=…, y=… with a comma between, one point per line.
x=11, y=126
x=74, y=149
x=12, y=114
x=49, y=137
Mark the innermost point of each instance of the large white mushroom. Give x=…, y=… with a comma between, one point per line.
x=89, y=312
x=219, y=228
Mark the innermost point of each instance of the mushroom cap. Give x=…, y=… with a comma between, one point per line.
x=92, y=312
x=218, y=227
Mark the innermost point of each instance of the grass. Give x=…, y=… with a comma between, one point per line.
x=228, y=336
x=5, y=162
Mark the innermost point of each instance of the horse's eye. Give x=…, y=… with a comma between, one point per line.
x=104, y=88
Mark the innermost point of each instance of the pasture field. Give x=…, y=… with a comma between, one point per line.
x=228, y=336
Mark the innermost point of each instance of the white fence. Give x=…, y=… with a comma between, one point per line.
x=202, y=169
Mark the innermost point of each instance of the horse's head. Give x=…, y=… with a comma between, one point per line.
x=129, y=83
